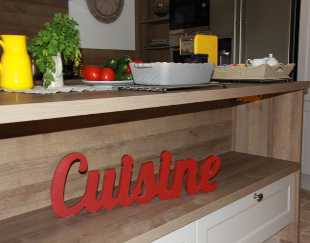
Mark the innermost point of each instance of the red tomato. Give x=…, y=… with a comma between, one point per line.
x=91, y=73
x=107, y=74
x=137, y=61
x=128, y=70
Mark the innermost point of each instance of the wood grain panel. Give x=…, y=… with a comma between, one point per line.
x=60, y=3
x=28, y=17
x=71, y=123
x=40, y=107
x=147, y=32
x=43, y=8
x=98, y=57
x=271, y=127
x=26, y=176
x=29, y=158
x=144, y=223
x=157, y=55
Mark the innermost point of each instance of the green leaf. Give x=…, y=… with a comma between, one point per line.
x=47, y=83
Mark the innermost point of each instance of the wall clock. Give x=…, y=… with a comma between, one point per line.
x=106, y=11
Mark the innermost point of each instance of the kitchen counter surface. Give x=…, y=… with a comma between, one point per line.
x=258, y=143
x=19, y=107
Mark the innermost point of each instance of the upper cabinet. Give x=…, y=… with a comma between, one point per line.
x=151, y=33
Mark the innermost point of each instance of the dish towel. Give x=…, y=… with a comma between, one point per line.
x=65, y=89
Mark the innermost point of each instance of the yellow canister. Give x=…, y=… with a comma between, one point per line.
x=15, y=66
x=207, y=44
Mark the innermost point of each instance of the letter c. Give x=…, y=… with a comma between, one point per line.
x=59, y=182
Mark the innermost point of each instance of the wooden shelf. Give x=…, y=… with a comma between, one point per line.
x=150, y=27
x=155, y=21
x=240, y=175
x=155, y=48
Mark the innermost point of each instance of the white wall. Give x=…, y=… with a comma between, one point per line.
x=119, y=35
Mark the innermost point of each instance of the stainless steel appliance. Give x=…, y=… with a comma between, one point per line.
x=255, y=28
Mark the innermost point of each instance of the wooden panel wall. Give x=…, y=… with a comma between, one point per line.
x=270, y=127
x=28, y=163
x=148, y=32
x=27, y=17
x=98, y=57
x=21, y=17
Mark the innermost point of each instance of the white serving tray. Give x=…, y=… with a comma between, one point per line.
x=170, y=73
x=263, y=71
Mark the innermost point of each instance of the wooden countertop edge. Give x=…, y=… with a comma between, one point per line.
x=112, y=101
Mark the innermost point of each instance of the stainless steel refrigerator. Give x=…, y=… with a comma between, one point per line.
x=256, y=28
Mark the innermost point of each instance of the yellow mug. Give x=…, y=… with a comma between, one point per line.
x=15, y=66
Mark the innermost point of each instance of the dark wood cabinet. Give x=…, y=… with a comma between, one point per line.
x=150, y=27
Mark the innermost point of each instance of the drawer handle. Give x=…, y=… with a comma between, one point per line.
x=258, y=197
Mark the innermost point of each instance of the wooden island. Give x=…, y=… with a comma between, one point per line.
x=259, y=144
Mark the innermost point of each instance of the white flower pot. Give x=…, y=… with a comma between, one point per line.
x=58, y=77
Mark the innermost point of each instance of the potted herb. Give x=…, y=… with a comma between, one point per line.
x=61, y=36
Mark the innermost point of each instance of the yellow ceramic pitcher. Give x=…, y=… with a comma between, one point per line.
x=15, y=66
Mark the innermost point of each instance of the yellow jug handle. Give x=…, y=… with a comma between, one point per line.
x=2, y=44
x=0, y=73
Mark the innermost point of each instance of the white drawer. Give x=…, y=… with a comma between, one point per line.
x=186, y=234
x=248, y=220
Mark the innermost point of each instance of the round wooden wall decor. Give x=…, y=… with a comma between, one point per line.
x=106, y=11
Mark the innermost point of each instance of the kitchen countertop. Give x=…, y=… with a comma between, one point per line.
x=258, y=143
x=18, y=107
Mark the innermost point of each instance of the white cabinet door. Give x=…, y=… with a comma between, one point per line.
x=186, y=234
x=248, y=220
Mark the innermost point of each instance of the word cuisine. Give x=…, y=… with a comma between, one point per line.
x=145, y=188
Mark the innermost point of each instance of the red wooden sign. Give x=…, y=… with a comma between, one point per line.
x=144, y=189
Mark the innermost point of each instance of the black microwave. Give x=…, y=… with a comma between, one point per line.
x=186, y=14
